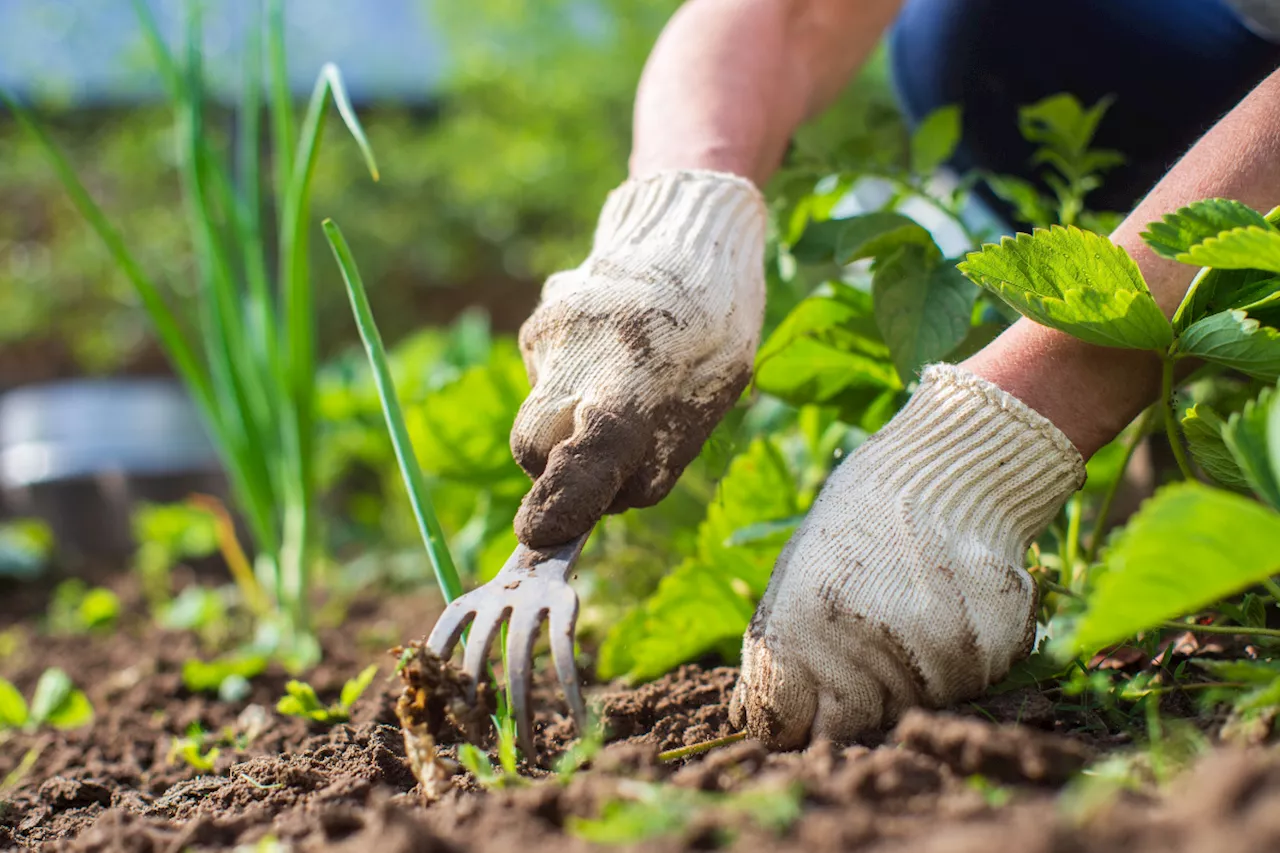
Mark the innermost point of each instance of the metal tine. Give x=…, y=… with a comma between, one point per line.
x=488, y=619
x=522, y=634
x=564, y=619
x=449, y=627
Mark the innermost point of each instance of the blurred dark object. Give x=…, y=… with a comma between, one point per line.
x=82, y=454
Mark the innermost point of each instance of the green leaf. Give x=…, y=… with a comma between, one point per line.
x=1074, y=281
x=419, y=496
x=935, y=139
x=13, y=708
x=207, y=676
x=706, y=602
x=828, y=351
x=1186, y=548
x=1178, y=232
x=1216, y=290
x=817, y=243
x=1203, y=429
x=1273, y=435
x=874, y=235
x=1235, y=340
x=304, y=695
x=1245, y=435
x=1062, y=124
x=72, y=712
x=52, y=690
x=923, y=310
x=1254, y=247
x=1028, y=204
x=352, y=690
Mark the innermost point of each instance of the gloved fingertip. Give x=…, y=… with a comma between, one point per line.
x=780, y=701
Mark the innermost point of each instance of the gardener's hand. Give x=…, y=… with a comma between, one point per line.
x=904, y=586
x=637, y=354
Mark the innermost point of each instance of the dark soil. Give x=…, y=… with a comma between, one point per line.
x=938, y=782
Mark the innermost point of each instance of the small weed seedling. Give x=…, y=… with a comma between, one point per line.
x=77, y=608
x=193, y=750
x=56, y=702
x=502, y=775
x=301, y=699
x=228, y=676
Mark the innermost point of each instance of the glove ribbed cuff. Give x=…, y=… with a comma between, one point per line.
x=984, y=463
x=705, y=223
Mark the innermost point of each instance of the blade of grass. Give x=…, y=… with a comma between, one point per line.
x=415, y=483
x=299, y=312
x=281, y=99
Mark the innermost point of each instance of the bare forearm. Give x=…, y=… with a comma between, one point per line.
x=730, y=80
x=1091, y=392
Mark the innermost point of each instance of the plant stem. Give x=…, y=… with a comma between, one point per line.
x=1171, y=420
x=1221, y=629
x=705, y=746
x=1104, y=511
x=1075, y=510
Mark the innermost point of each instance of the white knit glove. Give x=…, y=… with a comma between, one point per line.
x=637, y=354
x=905, y=584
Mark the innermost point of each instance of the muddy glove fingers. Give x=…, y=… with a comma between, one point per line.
x=905, y=584
x=636, y=355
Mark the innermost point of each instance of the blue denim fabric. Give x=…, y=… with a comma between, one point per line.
x=1173, y=66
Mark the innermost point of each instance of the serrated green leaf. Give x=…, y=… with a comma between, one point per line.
x=1074, y=281
x=13, y=708
x=51, y=691
x=923, y=310
x=1245, y=435
x=73, y=712
x=1255, y=247
x=1203, y=429
x=935, y=139
x=828, y=351
x=1235, y=340
x=1186, y=548
x=1215, y=290
x=1178, y=232
x=352, y=690
x=874, y=235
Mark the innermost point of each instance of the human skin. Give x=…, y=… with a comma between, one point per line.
x=729, y=81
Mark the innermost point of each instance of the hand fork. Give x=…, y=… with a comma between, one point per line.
x=532, y=586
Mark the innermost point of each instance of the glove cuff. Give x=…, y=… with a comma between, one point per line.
x=984, y=463
x=697, y=221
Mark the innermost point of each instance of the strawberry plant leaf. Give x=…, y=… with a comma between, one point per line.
x=828, y=351
x=352, y=690
x=301, y=696
x=923, y=309
x=706, y=602
x=1235, y=340
x=935, y=139
x=1203, y=429
x=1178, y=232
x=1215, y=290
x=817, y=243
x=207, y=676
x=1253, y=247
x=1028, y=204
x=1245, y=435
x=1074, y=281
x=877, y=234
x=13, y=708
x=1186, y=548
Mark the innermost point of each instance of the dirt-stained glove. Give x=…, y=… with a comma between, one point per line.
x=905, y=584
x=637, y=354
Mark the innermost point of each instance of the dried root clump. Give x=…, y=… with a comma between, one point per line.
x=433, y=702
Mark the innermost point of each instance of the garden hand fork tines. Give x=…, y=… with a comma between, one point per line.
x=532, y=586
